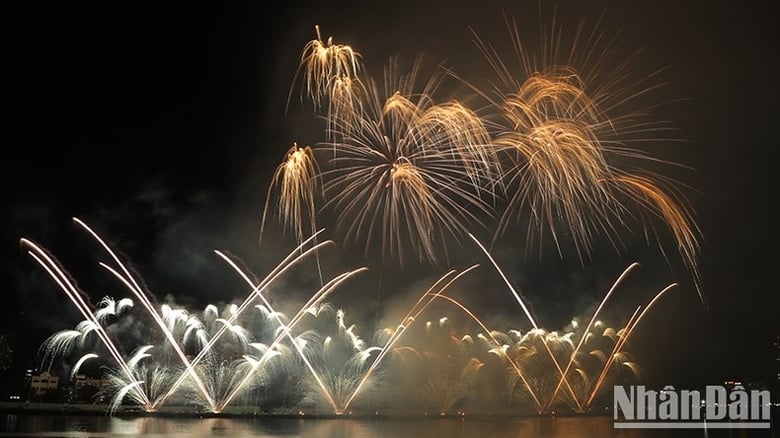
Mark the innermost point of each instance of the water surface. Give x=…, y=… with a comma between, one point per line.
x=42, y=425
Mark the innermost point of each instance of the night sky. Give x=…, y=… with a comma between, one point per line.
x=161, y=127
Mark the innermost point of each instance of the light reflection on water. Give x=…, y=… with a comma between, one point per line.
x=169, y=427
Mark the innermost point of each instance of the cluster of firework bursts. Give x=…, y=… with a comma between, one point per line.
x=250, y=354
x=407, y=172
x=404, y=172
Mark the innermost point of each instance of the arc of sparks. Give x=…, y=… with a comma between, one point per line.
x=512, y=362
x=408, y=319
x=623, y=339
x=530, y=318
x=286, y=328
x=58, y=275
x=587, y=329
x=293, y=258
x=127, y=279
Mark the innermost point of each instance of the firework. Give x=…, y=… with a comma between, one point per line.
x=233, y=352
x=558, y=145
x=133, y=378
x=330, y=71
x=60, y=276
x=570, y=135
x=407, y=173
x=296, y=180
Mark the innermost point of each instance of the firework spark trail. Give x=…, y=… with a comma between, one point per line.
x=109, y=307
x=129, y=277
x=165, y=330
x=561, y=123
x=556, y=178
x=553, y=126
x=293, y=258
x=511, y=361
x=554, y=130
x=608, y=361
x=296, y=177
x=413, y=314
x=587, y=329
x=330, y=71
x=57, y=274
x=530, y=318
x=341, y=382
x=61, y=342
x=132, y=386
x=624, y=338
x=408, y=320
x=286, y=331
x=286, y=328
x=407, y=169
x=675, y=214
x=452, y=122
x=506, y=281
x=128, y=280
x=82, y=359
x=347, y=97
x=567, y=124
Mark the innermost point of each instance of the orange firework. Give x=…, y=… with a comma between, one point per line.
x=296, y=178
x=572, y=165
x=331, y=73
x=407, y=173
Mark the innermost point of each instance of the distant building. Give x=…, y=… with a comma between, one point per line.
x=6, y=351
x=82, y=381
x=85, y=388
x=9, y=379
x=28, y=373
x=44, y=382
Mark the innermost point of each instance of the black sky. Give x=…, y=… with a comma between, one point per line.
x=160, y=126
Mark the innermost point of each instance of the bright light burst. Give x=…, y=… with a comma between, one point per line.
x=238, y=355
x=328, y=70
x=407, y=172
x=296, y=180
x=568, y=126
x=557, y=150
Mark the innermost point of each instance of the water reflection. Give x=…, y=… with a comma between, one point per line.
x=169, y=427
